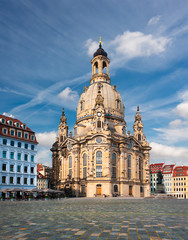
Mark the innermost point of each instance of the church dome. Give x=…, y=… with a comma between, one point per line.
x=112, y=101
x=100, y=51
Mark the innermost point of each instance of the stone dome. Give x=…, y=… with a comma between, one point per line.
x=112, y=101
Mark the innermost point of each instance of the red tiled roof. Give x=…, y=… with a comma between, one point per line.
x=180, y=171
x=13, y=126
x=168, y=168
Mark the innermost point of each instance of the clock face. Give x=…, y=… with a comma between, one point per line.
x=99, y=114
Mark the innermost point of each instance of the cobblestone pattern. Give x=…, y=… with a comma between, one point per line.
x=94, y=219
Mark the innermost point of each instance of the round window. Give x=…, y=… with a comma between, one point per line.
x=99, y=140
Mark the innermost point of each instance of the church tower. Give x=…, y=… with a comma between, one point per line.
x=101, y=159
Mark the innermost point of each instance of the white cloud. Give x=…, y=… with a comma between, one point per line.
x=176, y=123
x=68, y=94
x=138, y=44
x=154, y=20
x=46, y=139
x=8, y=115
x=182, y=110
x=92, y=46
x=169, y=154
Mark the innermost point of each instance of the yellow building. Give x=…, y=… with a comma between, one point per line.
x=101, y=159
x=180, y=182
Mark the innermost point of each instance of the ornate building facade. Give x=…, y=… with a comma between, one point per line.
x=101, y=158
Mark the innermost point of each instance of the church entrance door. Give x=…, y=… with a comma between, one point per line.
x=130, y=190
x=99, y=189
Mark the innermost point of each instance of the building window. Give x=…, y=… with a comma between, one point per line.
x=4, y=142
x=19, y=144
x=18, y=180
x=139, y=137
x=70, y=162
x=129, y=161
x=12, y=155
x=26, y=146
x=32, y=181
x=84, y=165
x=5, y=131
x=32, y=138
x=113, y=165
x=4, y=154
x=25, y=180
x=140, y=169
x=3, y=179
x=32, y=147
x=11, y=168
x=32, y=158
x=26, y=135
x=24, y=126
x=2, y=120
x=25, y=157
x=11, y=180
x=12, y=143
x=70, y=166
x=32, y=169
x=25, y=169
x=98, y=124
x=4, y=167
x=18, y=168
x=81, y=106
x=98, y=157
x=17, y=124
x=98, y=171
x=84, y=172
x=115, y=188
x=85, y=159
x=19, y=156
x=123, y=130
x=12, y=132
x=19, y=134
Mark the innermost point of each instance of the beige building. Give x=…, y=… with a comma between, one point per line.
x=42, y=181
x=101, y=158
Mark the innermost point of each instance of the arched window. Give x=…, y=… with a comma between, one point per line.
x=70, y=166
x=123, y=130
x=81, y=106
x=85, y=159
x=140, y=169
x=98, y=157
x=104, y=67
x=113, y=165
x=84, y=165
x=113, y=159
x=139, y=137
x=98, y=164
x=129, y=166
x=98, y=124
x=95, y=67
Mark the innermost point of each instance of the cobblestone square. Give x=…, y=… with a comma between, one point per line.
x=102, y=218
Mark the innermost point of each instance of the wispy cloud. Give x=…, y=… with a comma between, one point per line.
x=154, y=20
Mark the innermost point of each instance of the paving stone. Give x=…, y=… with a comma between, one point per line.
x=81, y=218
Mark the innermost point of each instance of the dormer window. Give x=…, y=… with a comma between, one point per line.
x=17, y=124
x=32, y=137
x=23, y=126
x=2, y=120
x=10, y=122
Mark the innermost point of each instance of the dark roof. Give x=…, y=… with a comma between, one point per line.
x=100, y=51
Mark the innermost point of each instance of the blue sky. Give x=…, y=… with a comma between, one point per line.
x=45, y=52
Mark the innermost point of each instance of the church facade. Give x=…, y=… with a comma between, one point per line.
x=102, y=158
